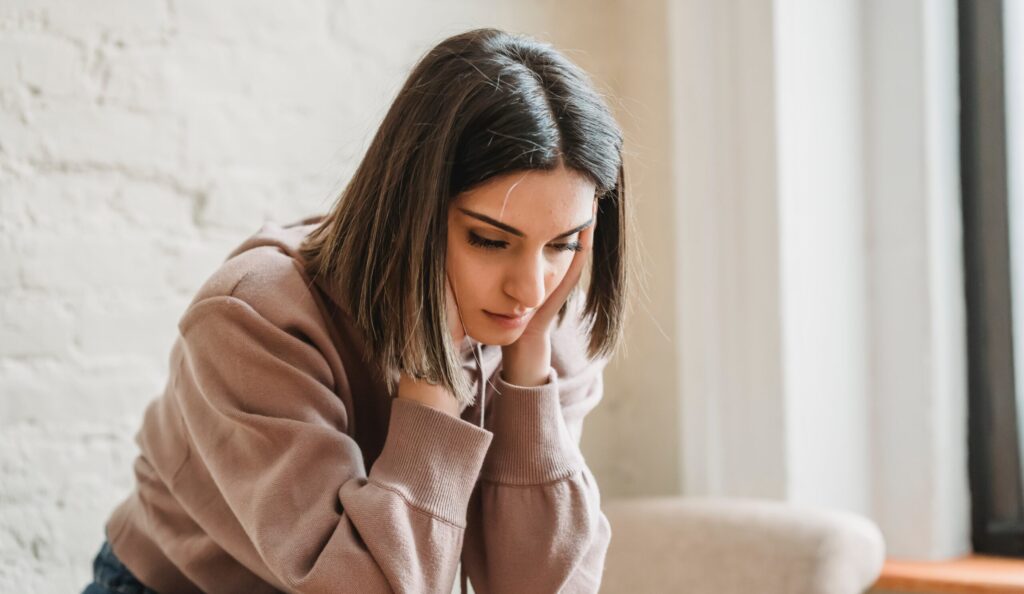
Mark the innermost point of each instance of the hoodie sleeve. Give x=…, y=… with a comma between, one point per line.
x=535, y=522
x=259, y=402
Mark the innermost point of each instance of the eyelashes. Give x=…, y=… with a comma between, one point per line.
x=572, y=246
x=491, y=244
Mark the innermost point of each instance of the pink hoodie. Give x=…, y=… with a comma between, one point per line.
x=276, y=460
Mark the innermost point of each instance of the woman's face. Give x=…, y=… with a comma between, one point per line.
x=510, y=242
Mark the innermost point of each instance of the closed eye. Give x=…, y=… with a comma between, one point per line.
x=573, y=246
x=485, y=243
x=493, y=244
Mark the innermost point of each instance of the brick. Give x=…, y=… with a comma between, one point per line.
x=51, y=66
x=139, y=77
x=154, y=205
x=9, y=47
x=13, y=207
x=38, y=392
x=18, y=138
x=118, y=19
x=67, y=265
x=116, y=327
x=55, y=519
x=258, y=137
x=57, y=201
x=80, y=133
x=302, y=76
x=202, y=70
x=266, y=22
x=189, y=265
x=102, y=201
x=33, y=326
x=237, y=202
x=9, y=271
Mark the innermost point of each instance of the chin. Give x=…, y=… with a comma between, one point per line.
x=496, y=337
x=506, y=340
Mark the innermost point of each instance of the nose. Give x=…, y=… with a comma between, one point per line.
x=525, y=283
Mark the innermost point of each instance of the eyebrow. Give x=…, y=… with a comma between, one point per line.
x=517, y=232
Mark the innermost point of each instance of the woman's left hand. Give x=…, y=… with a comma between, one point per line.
x=525, y=362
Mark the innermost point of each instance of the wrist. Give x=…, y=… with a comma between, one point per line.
x=526, y=365
x=428, y=394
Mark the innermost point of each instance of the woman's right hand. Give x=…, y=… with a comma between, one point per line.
x=424, y=392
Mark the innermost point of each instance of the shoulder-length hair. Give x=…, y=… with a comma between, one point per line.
x=479, y=104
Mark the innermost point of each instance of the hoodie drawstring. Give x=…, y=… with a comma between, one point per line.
x=481, y=392
x=480, y=384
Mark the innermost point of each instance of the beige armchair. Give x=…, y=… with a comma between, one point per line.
x=738, y=546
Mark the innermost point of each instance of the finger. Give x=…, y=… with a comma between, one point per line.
x=573, y=274
x=580, y=258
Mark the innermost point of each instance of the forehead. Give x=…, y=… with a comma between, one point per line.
x=533, y=199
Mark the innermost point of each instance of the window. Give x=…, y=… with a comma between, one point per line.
x=992, y=154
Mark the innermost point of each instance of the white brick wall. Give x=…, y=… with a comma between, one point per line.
x=139, y=141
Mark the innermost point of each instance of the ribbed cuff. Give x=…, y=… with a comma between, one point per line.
x=531, y=444
x=432, y=459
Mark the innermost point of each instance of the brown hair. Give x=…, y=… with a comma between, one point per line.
x=479, y=104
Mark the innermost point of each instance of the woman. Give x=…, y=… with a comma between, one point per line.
x=360, y=401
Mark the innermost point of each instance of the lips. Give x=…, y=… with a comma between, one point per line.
x=507, y=321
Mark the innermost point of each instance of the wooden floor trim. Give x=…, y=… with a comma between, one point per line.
x=974, y=574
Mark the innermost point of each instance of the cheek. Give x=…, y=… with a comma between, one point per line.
x=471, y=274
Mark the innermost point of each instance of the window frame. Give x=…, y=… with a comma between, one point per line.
x=997, y=495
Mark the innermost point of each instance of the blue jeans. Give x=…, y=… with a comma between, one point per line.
x=110, y=576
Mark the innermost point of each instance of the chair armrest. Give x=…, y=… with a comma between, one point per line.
x=738, y=546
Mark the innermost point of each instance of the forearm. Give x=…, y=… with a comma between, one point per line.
x=535, y=524
x=538, y=538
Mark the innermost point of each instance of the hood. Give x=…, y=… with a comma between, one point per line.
x=289, y=237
